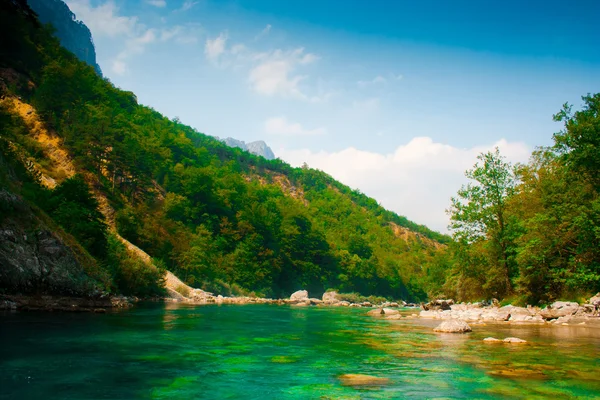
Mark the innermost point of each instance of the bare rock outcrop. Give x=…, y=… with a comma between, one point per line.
x=453, y=326
x=559, y=309
x=300, y=295
x=330, y=298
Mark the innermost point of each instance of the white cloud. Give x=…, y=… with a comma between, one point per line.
x=157, y=3
x=374, y=81
x=281, y=126
x=214, y=48
x=187, y=5
x=104, y=19
x=264, y=32
x=119, y=67
x=270, y=73
x=275, y=73
x=416, y=180
x=128, y=35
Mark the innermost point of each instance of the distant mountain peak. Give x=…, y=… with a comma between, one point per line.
x=258, y=147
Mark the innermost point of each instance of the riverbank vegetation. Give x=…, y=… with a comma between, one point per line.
x=531, y=232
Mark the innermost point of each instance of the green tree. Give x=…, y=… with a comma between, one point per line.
x=479, y=214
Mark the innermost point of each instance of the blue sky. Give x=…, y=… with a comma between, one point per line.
x=395, y=98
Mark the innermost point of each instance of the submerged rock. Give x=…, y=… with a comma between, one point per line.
x=514, y=340
x=381, y=312
x=453, y=326
x=362, y=380
x=492, y=340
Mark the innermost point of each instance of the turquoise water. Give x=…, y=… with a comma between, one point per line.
x=279, y=352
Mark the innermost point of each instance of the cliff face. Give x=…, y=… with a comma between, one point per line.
x=33, y=256
x=73, y=34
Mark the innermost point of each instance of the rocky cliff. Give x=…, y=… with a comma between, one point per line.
x=258, y=147
x=36, y=258
x=73, y=34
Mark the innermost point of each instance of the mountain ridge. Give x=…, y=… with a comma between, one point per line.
x=222, y=219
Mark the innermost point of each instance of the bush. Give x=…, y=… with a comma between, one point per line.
x=183, y=290
x=132, y=276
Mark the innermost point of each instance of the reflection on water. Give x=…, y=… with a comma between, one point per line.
x=277, y=352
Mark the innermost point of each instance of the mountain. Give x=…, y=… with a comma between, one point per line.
x=74, y=35
x=258, y=147
x=130, y=193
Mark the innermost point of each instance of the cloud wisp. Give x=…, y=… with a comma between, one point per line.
x=273, y=73
x=105, y=22
x=282, y=127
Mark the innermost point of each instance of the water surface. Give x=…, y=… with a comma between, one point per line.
x=280, y=352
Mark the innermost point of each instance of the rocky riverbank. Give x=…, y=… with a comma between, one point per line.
x=560, y=312
x=63, y=303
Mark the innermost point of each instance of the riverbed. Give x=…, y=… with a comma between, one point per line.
x=175, y=351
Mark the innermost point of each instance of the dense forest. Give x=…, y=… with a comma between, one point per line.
x=221, y=218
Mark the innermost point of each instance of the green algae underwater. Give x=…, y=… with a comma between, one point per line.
x=170, y=351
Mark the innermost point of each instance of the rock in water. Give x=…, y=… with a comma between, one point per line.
x=362, y=380
x=560, y=309
x=514, y=340
x=300, y=295
x=453, y=326
x=330, y=297
x=381, y=312
x=492, y=340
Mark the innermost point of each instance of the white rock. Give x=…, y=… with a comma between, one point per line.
x=300, y=295
x=453, y=326
x=514, y=340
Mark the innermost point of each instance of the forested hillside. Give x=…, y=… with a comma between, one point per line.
x=221, y=218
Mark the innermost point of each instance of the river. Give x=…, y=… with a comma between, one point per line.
x=170, y=351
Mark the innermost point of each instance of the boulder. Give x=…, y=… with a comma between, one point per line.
x=315, y=302
x=330, y=297
x=381, y=312
x=453, y=326
x=300, y=295
x=559, y=309
x=522, y=314
x=344, y=303
x=514, y=340
x=595, y=301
